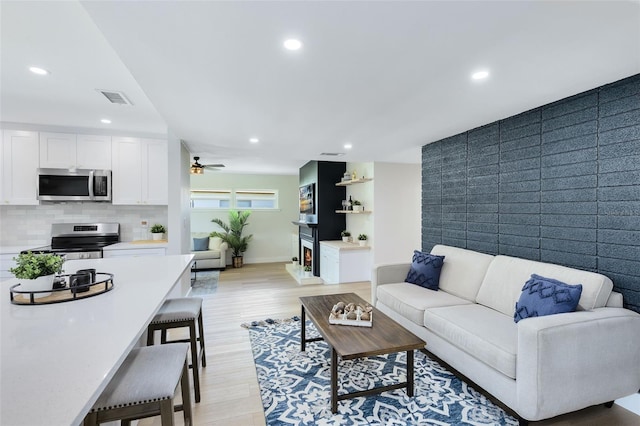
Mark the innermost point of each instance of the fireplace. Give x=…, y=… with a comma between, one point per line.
x=309, y=247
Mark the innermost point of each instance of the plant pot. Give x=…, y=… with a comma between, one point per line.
x=39, y=284
x=346, y=239
x=358, y=208
x=157, y=236
x=362, y=243
x=308, y=274
x=237, y=261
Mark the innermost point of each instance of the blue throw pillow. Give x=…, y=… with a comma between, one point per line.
x=545, y=296
x=201, y=244
x=425, y=270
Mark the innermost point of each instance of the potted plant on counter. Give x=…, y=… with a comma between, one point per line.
x=357, y=206
x=346, y=236
x=232, y=234
x=307, y=271
x=36, y=271
x=157, y=231
x=362, y=240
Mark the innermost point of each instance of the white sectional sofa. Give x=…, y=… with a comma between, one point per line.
x=540, y=367
x=215, y=257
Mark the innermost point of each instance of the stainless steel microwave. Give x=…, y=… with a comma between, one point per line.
x=74, y=185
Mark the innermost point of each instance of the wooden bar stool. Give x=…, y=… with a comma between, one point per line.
x=144, y=386
x=177, y=313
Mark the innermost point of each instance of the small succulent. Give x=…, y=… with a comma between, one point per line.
x=30, y=266
x=158, y=229
x=362, y=237
x=345, y=233
x=307, y=268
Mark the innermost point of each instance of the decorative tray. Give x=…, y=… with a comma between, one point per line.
x=351, y=314
x=103, y=283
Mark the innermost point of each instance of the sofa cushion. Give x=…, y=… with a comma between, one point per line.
x=206, y=254
x=425, y=270
x=545, y=296
x=506, y=275
x=410, y=300
x=487, y=335
x=200, y=244
x=462, y=271
x=215, y=243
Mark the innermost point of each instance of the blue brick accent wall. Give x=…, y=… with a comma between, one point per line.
x=559, y=184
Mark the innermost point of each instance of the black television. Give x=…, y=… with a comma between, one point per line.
x=307, y=199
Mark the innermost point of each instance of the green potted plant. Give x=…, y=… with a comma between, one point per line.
x=232, y=234
x=294, y=261
x=36, y=271
x=362, y=240
x=307, y=271
x=357, y=206
x=157, y=231
x=346, y=236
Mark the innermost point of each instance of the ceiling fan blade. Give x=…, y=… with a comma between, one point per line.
x=213, y=165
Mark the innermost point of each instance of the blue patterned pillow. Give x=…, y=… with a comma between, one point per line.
x=545, y=296
x=425, y=270
x=201, y=244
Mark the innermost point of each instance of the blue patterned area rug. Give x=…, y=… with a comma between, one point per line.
x=295, y=386
x=206, y=282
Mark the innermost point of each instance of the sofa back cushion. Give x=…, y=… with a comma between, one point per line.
x=215, y=243
x=463, y=270
x=506, y=276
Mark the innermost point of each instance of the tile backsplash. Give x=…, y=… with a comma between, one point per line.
x=31, y=225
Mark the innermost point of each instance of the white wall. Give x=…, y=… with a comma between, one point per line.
x=397, y=211
x=179, y=214
x=271, y=229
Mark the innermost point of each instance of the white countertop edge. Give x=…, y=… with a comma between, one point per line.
x=341, y=245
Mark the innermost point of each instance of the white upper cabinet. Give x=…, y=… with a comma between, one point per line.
x=19, y=156
x=71, y=151
x=93, y=152
x=139, y=171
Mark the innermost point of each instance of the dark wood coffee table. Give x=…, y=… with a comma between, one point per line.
x=384, y=337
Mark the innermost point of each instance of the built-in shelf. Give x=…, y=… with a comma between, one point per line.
x=353, y=211
x=353, y=181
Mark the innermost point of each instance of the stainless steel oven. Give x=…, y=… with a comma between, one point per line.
x=80, y=240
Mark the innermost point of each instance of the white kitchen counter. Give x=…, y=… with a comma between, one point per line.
x=341, y=245
x=136, y=245
x=57, y=359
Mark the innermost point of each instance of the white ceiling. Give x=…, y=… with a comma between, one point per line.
x=387, y=77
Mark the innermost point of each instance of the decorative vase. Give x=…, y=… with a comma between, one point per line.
x=362, y=243
x=157, y=236
x=39, y=284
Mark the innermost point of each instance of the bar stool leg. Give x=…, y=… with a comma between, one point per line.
x=166, y=412
x=91, y=419
x=186, y=395
x=194, y=360
x=201, y=327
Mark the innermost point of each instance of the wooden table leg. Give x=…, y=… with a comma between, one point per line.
x=410, y=373
x=303, y=331
x=334, y=381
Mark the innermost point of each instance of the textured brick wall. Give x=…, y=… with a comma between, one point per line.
x=560, y=184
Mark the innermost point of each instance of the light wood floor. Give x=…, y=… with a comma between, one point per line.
x=229, y=387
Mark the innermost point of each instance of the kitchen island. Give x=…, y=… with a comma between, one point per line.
x=56, y=359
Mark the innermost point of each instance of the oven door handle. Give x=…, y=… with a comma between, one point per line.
x=91, y=182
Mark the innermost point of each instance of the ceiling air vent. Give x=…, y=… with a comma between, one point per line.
x=116, y=97
x=332, y=154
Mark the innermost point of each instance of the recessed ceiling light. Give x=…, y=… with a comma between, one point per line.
x=105, y=121
x=254, y=140
x=348, y=146
x=39, y=71
x=480, y=75
x=292, y=44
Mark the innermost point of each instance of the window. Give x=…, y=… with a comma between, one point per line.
x=262, y=199
x=239, y=199
x=210, y=199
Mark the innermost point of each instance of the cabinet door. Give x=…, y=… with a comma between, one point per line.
x=155, y=178
x=19, y=167
x=93, y=152
x=58, y=150
x=127, y=174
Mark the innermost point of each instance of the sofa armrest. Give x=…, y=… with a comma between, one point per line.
x=387, y=274
x=570, y=361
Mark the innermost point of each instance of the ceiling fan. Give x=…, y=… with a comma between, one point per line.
x=198, y=169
